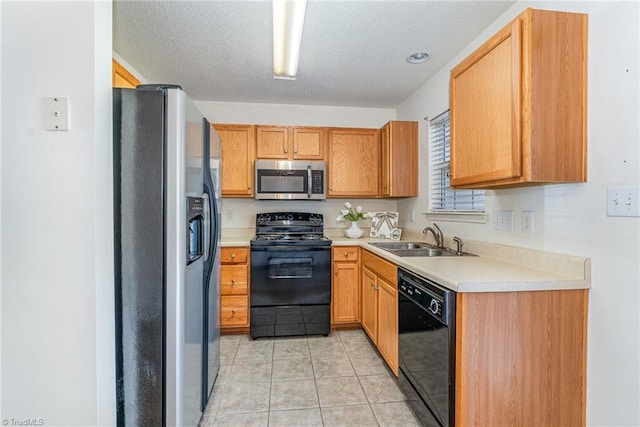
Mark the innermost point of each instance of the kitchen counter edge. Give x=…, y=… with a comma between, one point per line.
x=476, y=273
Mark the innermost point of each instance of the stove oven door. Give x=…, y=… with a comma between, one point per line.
x=290, y=291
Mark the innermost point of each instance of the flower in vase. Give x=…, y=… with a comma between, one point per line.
x=352, y=214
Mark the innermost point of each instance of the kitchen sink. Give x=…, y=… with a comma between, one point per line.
x=395, y=246
x=407, y=249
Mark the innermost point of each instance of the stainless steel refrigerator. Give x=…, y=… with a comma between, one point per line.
x=167, y=256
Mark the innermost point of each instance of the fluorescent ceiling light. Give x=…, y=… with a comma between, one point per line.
x=288, y=20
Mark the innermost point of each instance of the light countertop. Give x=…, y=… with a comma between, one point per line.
x=497, y=268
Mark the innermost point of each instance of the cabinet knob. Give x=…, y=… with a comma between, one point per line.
x=331, y=188
x=233, y=256
x=295, y=151
x=233, y=312
x=346, y=254
x=233, y=282
x=335, y=272
x=248, y=187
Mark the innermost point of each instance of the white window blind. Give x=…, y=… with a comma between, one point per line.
x=443, y=198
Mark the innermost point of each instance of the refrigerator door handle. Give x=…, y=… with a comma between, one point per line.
x=211, y=237
x=207, y=226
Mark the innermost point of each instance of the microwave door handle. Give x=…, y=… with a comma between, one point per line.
x=309, y=182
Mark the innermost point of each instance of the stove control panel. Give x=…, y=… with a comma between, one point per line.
x=284, y=218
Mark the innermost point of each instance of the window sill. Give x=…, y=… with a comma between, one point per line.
x=471, y=217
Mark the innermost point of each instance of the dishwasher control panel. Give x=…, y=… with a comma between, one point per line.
x=432, y=298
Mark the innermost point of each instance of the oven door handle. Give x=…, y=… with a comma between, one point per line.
x=289, y=248
x=309, y=181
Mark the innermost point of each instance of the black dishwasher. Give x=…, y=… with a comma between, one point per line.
x=426, y=348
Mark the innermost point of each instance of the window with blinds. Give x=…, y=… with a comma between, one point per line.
x=443, y=198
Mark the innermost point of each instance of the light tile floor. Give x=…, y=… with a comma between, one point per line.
x=339, y=380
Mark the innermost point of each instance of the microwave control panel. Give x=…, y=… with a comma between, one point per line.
x=317, y=181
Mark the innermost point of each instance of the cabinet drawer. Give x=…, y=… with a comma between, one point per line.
x=381, y=267
x=234, y=311
x=345, y=253
x=234, y=255
x=233, y=280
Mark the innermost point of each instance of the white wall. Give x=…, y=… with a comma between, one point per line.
x=56, y=243
x=572, y=218
x=243, y=211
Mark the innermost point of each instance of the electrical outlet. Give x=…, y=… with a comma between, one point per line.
x=229, y=216
x=503, y=221
x=526, y=225
x=413, y=215
x=623, y=201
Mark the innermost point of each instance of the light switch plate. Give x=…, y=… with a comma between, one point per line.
x=623, y=201
x=56, y=113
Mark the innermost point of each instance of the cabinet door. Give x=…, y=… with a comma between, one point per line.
x=388, y=323
x=308, y=143
x=234, y=311
x=385, y=160
x=272, y=142
x=485, y=111
x=369, y=316
x=238, y=154
x=353, y=162
x=399, y=159
x=234, y=280
x=234, y=255
x=345, y=296
x=121, y=77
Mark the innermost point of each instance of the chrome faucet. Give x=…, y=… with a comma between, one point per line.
x=437, y=235
x=460, y=244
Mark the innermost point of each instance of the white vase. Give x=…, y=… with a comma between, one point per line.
x=353, y=232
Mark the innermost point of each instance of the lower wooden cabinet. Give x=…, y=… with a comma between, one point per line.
x=234, y=288
x=369, y=316
x=380, y=306
x=345, y=285
x=521, y=358
x=234, y=311
x=388, y=322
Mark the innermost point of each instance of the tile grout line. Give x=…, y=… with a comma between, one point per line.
x=360, y=383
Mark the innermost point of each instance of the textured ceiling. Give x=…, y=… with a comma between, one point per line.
x=353, y=52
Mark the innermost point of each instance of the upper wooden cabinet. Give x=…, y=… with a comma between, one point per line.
x=290, y=143
x=353, y=162
x=518, y=105
x=238, y=153
x=121, y=77
x=399, y=159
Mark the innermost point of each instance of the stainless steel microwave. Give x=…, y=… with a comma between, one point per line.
x=290, y=180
